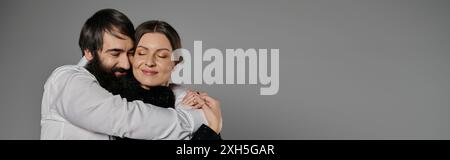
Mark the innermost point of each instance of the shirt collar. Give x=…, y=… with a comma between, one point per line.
x=83, y=61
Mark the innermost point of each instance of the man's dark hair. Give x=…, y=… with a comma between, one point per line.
x=105, y=20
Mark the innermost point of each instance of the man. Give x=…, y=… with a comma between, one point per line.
x=75, y=106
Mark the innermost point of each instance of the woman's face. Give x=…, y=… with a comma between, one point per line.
x=151, y=62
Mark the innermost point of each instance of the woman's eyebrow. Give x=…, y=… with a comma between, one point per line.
x=160, y=49
x=143, y=47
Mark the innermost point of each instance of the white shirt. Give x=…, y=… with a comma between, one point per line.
x=75, y=106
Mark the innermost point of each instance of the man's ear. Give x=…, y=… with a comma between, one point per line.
x=88, y=54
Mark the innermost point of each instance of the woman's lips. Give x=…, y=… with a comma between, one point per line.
x=149, y=72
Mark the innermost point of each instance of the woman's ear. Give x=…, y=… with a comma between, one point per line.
x=88, y=54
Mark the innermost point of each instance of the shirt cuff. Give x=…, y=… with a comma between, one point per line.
x=197, y=117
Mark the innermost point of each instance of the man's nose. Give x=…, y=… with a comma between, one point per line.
x=124, y=62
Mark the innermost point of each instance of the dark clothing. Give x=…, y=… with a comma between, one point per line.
x=160, y=96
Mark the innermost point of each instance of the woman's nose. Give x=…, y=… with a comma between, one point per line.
x=150, y=62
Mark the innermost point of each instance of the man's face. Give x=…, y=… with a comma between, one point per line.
x=113, y=55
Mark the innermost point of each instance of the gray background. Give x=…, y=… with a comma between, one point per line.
x=349, y=69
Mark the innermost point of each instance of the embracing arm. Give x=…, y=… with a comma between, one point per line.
x=84, y=103
x=211, y=108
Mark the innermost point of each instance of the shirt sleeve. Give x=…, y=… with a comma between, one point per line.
x=180, y=92
x=84, y=103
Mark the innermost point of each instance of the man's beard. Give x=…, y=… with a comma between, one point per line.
x=106, y=78
x=128, y=87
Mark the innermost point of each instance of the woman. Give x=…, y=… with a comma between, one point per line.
x=151, y=70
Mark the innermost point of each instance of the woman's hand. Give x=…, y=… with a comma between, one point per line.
x=212, y=112
x=193, y=99
x=210, y=107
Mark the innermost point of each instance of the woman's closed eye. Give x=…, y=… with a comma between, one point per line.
x=163, y=54
x=141, y=53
